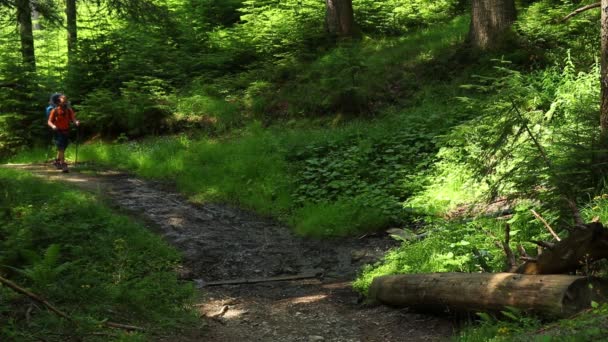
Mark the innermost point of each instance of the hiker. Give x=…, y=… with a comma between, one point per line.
x=59, y=120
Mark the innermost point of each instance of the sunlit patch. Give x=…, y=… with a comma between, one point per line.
x=307, y=299
x=73, y=179
x=234, y=313
x=219, y=308
x=176, y=221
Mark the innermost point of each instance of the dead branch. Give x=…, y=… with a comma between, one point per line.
x=504, y=245
x=581, y=10
x=311, y=275
x=522, y=250
x=584, y=245
x=35, y=297
x=123, y=326
x=507, y=248
x=576, y=214
x=544, y=244
x=524, y=258
x=546, y=225
x=58, y=312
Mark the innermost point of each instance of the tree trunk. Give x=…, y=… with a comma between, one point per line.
x=549, y=295
x=490, y=20
x=339, y=18
x=604, y=80
x=26, y=34
x=70, y=11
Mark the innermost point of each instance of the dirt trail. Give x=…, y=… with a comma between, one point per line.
x=222, y=243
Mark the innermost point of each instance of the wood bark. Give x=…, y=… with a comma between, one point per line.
x=490, y=21
x=604, y=78
x=548, y=295
x=70, y=11
x=26, y=34
x=339, y=18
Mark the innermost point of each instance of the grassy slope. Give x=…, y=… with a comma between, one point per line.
x=68, y=247
x=283, y=171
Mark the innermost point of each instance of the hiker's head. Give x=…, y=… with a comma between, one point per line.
x=55, y=98
x=62, y=101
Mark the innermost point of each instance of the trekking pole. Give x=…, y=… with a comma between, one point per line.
x=77, y=143
x=49, y=150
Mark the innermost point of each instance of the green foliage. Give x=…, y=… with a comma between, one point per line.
x=275, y=27
x=534, y=138
x=140, y=109
x=461, y=246
x=249, y=170
x=70, y=249
x=449, y=247
x=43, y=271
x=541, y=26
x=341, y=217
x=399, y=16
x=366, y=170
x=207, y=112
x=361, y=77
x=515, y=326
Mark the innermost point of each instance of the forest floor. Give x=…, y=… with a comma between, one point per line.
x=221, y=243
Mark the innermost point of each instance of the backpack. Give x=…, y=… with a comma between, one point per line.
x=49, y=109
x=52, y=105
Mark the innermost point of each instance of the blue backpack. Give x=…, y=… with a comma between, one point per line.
x=48, y=111
x=52, y=105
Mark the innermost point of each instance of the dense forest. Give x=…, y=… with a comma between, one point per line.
x=474, y=133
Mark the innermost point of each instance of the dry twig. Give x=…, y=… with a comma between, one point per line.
x=58, y=312
x=546, y=225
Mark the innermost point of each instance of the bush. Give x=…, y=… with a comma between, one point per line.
x=534, y=139
x=141, y=108
x=399, y=16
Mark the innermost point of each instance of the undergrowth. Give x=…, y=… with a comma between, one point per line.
x=95, y=265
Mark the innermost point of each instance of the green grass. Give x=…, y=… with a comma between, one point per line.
x=96, y=265
x=518, y=327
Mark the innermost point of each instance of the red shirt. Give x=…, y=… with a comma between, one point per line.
x=61, y=117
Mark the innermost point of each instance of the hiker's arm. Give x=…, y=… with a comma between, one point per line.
x=50, y=121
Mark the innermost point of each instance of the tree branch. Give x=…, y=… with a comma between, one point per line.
x=581, y=10
x=58, y=312
x=35, y=297
x=545, y=244
x=546, y=225
x=507, y=249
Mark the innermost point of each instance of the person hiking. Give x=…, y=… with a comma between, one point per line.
x=59, y=120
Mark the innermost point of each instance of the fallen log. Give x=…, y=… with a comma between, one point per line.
x=547, y=295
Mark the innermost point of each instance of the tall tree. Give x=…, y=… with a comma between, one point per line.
x=26, y=33
x=490, y=20
x=141, y=10
x=70, y=11
x=604, y=75
x=339, y=18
